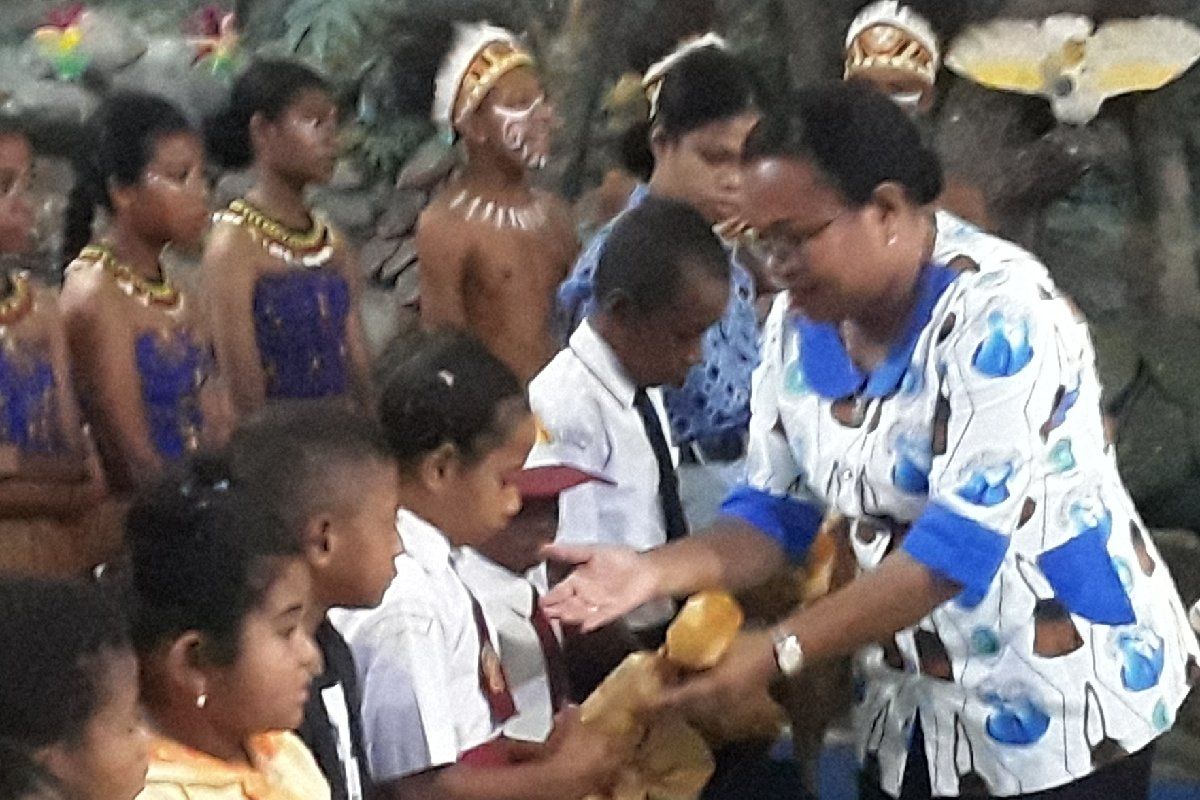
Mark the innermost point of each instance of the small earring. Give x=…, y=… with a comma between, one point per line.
x=202, y=701
x=891, y=240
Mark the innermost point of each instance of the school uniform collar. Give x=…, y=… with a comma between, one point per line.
x=600, y=360
x=828, y=368
x=424, y=543
x=489, y=580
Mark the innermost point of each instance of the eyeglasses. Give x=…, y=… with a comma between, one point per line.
x=781, y=247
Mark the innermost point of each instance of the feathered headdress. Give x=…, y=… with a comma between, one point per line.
x=652, y=80
x=481, y=55
x=887, y=34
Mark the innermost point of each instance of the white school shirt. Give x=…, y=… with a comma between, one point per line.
x=417, y=655
x=995, y=430
x=584, y=401
x=507, y=601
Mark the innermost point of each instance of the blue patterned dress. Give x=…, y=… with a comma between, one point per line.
x=300, y=327
x=977, y=447
x=172, y=366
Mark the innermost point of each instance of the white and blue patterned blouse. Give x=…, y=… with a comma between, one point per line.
x=715, y=399
x=977, y=447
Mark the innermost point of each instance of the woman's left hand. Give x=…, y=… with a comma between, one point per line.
x=746, y=670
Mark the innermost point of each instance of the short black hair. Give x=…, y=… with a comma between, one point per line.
x=204, y=549
x=58, y=639
x=855, y=135
x=648, y=251
x=446, y=387
x=707, y=85
x=268, y=87
x=289, y=453
x=123, y=132
x=22, y=778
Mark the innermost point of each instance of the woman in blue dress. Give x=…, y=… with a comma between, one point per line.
x=282, y=285
x=140, y=351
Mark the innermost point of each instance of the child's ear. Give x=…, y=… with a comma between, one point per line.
x=438, y=467
x=319, y=540
x=185, y=665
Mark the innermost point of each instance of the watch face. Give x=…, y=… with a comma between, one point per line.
x=788, y=655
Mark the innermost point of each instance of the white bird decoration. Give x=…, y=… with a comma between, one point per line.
x=1075, y=66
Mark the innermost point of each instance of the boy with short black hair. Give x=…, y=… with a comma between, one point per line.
x=505, y=574
x=662, y=282
x=327, y=472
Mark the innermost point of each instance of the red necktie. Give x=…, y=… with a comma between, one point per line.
x=492, y=680
x=556, y=664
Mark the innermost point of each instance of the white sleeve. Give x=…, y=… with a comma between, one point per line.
x=408, y=717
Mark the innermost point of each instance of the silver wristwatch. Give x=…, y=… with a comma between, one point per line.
x=789, y=655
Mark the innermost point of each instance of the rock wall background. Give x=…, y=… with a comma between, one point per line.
x=1112, y=208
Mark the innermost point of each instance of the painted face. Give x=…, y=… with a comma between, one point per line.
x=266, y=687
x=16, y=216
x=526, y=131
x=109, y=760
x=524, y=118
x=909, y=91
x=303, y=141
x=171, y=201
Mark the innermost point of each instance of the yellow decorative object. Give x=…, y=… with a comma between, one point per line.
x=482, y=54
x=653, y=79
x=1073, y=65
x=671, y=760
x=703, y=630
x=887, y=35
x=146, y=291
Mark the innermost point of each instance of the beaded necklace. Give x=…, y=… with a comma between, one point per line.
x=17, y=304
x=147, y=292
x=311, y=248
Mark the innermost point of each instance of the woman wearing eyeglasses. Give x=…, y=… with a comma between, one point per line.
x=1017, y=634
x=140, y=352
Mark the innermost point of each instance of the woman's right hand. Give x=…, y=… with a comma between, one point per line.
x=604, y=584
x=588, y=759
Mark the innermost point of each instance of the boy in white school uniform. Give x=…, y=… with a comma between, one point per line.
x=662, y=281
x=506, y=574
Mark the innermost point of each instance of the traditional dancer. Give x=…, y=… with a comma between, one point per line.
x=492, y=247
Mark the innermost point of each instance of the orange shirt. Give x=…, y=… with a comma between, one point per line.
x=283, y=769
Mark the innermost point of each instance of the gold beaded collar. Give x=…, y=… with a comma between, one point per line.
x=148, y=292
x=17, y=304
x=311, y=248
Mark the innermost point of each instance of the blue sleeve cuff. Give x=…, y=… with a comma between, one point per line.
x=957, y=548
x=793, y=524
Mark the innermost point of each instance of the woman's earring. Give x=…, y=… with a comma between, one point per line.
x=202, y=701
x=891, y=240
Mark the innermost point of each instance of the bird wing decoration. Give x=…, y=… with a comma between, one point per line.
x=1010, y=54
x=1139, y=55
x=1061, y=59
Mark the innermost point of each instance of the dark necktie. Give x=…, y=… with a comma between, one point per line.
x=668, y=481
x=556, y=664
x=492, y=680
